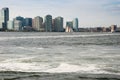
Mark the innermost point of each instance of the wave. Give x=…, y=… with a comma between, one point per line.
x=47, y=67
x=59, y=36
x=29, y=48
x=64, y=67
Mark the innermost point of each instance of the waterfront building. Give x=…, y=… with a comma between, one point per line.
x=99, y=29
x=18, y=25
x=118, y=29
x=28, y=22
x=104, y=29
x=69, y=24
x=38, y=23
x=113, y=28
x=4, y=17
x=33, y=23
x=75, y=24
x=21, y=20
x=58, y=24
x=48, y=23
x=10, y=25
x=68, y=29
x=53, y=25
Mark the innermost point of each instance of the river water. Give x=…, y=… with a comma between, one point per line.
x=59, y=56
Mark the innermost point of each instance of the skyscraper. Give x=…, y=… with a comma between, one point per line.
x=48, y=23
x=4, y=17
x=38, y=23
x=75, y=24
x=58, y=24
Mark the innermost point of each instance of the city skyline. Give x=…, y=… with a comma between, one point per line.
x=91, y=13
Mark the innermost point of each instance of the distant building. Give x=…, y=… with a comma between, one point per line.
x=38, y=23
x=28, y=22
x=4, y=17
x=22, y=20
x=58, y=24
x=104, y=29
x=99, y=29
x=53, y=25
x=18, y=25
x=68, y=29
x=33, y=20
x=113, y=28
x=10, y=25
x=84, y=29
x=75, y=24
x=118, y=29
x=48, y=23
x=69, y=24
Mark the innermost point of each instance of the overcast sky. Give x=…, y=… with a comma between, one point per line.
x=91, y=13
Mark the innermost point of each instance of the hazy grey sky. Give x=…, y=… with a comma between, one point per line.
x=89, y=12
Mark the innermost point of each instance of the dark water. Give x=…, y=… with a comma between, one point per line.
x=59, y=56
x=56, y=76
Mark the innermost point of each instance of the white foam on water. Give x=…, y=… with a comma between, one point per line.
x=18, y=64
x=30, y=48
x=23, y=67
x=43, y=67
x=66, y=68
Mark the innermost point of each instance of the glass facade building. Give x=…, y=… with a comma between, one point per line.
x=75, y=24
x=4, y=17
x=28, y=22
x=21, y=19
x=69, y=24
x=58, y=24
x=48, y=23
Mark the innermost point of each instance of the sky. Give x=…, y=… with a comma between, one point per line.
x=91, y=13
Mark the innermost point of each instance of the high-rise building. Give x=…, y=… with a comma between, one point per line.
x=69, y=24
x=10, y=25
x=53, y=25
x=48, y=23
x=58, y=24
x=75, y=24
x=4, y=17
x=17, y=25
x=28, y=22
x=22, y=20
x=38, y=23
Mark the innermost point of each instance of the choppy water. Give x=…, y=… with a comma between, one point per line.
x=59, y=56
